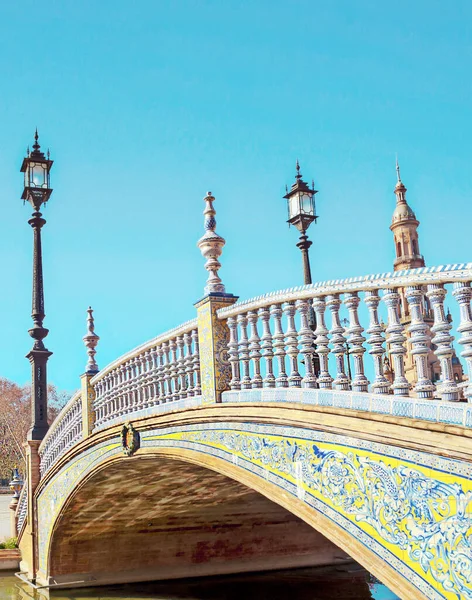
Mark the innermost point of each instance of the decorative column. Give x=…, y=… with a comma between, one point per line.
x=291, y=341
x=443, y=341
x=255, y=349
x=244, y=351
x=91, y=368
x=213, y=333
x=341, y=381
x=360, y=382
x=267, y=349
x=307, y=344
x=279, y=346
x=380, y=385
x=463, y=295
x=418, y=330
x=322, y=349
x=396, y=342
x=233, y=351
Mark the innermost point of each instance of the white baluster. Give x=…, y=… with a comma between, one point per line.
x=355, y=338
x=189, y=364
x=420, y=341
x=291, y=341
x=279, y=346
x=341, y=381
x=196, y=362
x=235, y=383
x=174, y=371
x=266, y=346
x=321, y=340
x=380, y=385
x=255, y=349
x=167, y=373
x=443, y=341
x=161, y=375
x=463, y=295
x=307, y=346
x=396, y=342
x=181, y=367
x=244, y=352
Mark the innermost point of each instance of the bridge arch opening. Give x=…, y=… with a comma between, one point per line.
x=153, y=517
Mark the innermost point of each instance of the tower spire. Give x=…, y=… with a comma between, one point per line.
x=404, y=227
x=397, y=166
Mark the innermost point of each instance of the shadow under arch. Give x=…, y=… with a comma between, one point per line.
x=176, y=512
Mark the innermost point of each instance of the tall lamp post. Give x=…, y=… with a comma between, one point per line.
x=301, y=214
x=37, y=191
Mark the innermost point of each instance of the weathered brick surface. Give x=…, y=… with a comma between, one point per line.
x=173, y=519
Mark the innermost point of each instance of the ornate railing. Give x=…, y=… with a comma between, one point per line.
x=65, y=431
x=22, y=508
x=274, y=343
x=164, y=370
x=279, y=348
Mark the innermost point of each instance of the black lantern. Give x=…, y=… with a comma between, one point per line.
x=301, y=203
x=36, y=168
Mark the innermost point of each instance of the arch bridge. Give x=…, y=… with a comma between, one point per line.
x=269, y=433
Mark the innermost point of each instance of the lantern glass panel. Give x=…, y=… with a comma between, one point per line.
x=307, y=204
x=38, y=175
x=293, y=206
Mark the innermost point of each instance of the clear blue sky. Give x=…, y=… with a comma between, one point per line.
x=147, y=105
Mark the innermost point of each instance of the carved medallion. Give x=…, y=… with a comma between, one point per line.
x=130, y=439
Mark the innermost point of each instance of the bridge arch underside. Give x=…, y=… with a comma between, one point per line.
x=155, y=517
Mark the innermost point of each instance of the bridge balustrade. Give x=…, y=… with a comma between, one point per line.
x=65, y=431
x=161, y=372
x=274, y=342
x=300, y=339
x=22, y=508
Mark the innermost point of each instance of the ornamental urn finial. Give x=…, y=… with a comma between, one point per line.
x=211, y=246
x=91, y=341
x=16, y=483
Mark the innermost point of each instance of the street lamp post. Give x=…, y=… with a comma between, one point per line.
x=301, y=214
x=37, y=191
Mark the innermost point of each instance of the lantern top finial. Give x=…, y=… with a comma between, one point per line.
x=36, y=153
x=298, y=175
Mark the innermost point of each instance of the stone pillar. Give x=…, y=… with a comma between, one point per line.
x=88, y=398
x=28, y=543
x=213, y=340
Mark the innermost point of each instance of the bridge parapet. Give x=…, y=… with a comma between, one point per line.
x=65, y=431
x=416, y=324
x=163, y=371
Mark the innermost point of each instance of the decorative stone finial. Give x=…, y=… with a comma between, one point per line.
x=211, y=247
x=16, y=483
x=91, y=341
